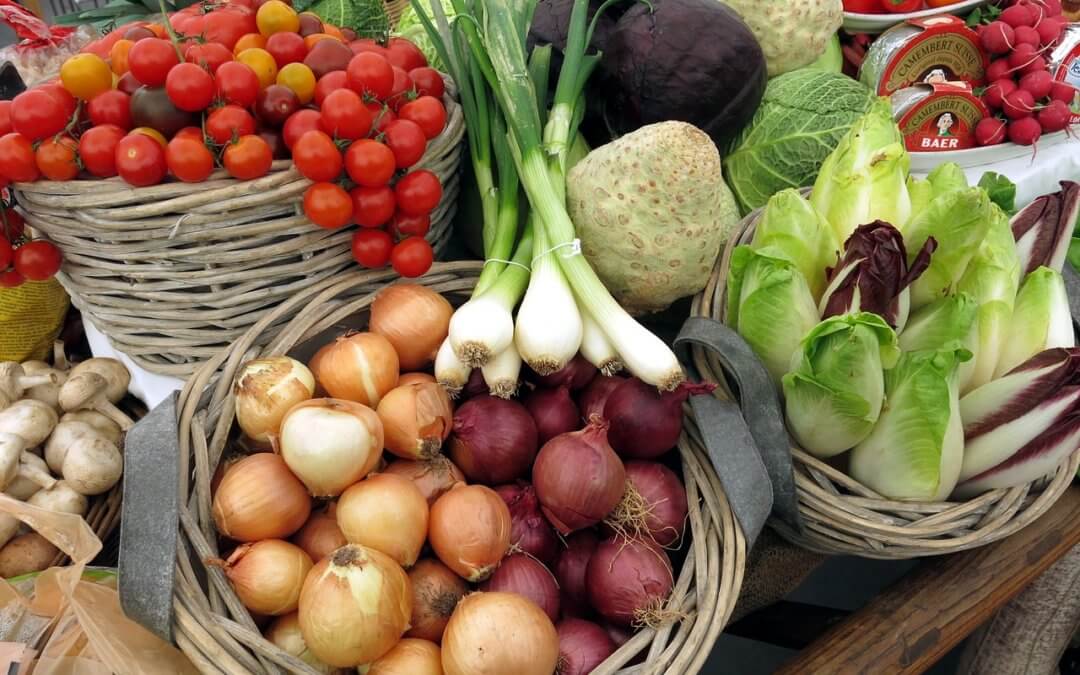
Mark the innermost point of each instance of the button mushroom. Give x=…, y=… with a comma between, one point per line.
x=31, y=419
x=17, y=463
x=61, y=498
x=114, y=372
x=105, y=426
x=88, y=391
x=48, y=392
x=13, y=380
x=92, y=465
x=27, y=485
x=63, y=436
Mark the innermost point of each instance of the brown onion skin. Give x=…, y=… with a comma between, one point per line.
x=578, y=478
x=644, y=422
x=627, y=576
x=592, y=399
x=320, y=536
x=583, y=645
x=332, y=363
x=494, y=440
x=497, y=634
x=415, y=378
x=436, y=592
x=281, y=503
x=528, y=577
x=666, y=496
x=469, y=530
x=570, y=570
x=410, y=656
x=575, y=375
x=415, y=319
x=553, y=411
x=529, y=529
x=434, y=477
x=263, y=590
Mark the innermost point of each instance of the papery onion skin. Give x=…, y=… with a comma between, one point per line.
x=416, y=419
x=320, y=536
x=553, y=411
x=469, y=530
x=436, y=592
x=268, y=575
x=259, y=498
x=659, y=513
x=529, y=529
x=578, y=478
x=627, y=578
x=529, y=578
x=415, y=319
x=354, y=606
x=434, y=477
x=494, y=440
x=575, y=375
x=410, y=656
x=265, y=390
x=644, y=422
x=330, y=444
x=285, y=633
x=499, y=634
x=415, y=378
x=358, y=367
x=593, y=398
x=385, y=512
x=570, y=570
x=583, y=645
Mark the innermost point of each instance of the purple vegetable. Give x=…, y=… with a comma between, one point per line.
x=1044, y=227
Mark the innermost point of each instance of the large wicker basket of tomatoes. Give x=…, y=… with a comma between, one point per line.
x=214, y=164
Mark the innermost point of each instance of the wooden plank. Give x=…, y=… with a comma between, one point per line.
x=912, y=624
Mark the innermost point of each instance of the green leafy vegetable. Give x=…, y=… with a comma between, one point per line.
x=1002, y=191
x=792, y=226
x=367, y=17
x=1041, y=320
x=409, y=26
x=943, y=322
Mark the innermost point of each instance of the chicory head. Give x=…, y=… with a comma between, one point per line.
x=791, y=226
x=1043, y=228
x=944, y=322
x=1040, y=320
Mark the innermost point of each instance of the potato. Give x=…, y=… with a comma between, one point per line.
x=26, y=553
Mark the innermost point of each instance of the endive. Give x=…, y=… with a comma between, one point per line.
x=1041, y=320
x=793, y=228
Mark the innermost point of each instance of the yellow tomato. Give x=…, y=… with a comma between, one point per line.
x=249, y=41
x=333, y=31
x=158, y=30
x=262, y=63
x=300, y=79
x=277, y=17
x=118, y=56
x=85, y=76
x=152, y=133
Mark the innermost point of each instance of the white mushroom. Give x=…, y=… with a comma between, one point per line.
x=26, y=486
x=92, y=465
x=31, y=419
x=87, y=391
x=61, y=498
x=17, y=464
x=63, y=436
x=105, y=426
x=116, y=375
x=13, y=380
x=50, y=391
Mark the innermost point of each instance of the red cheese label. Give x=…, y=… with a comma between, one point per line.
x=945, y=51
x=944, y=120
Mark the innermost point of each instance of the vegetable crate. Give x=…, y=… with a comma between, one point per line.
x=219, y=635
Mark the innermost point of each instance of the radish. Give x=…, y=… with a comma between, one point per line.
x=1049, y=7
x=1049, y=31
x=998, y=37
x=990, y=131
x=1018, y=15
x=1035, y=65
x=1025, y=131
x=997, y=91
x=1022, y=55
x=1038, y=84
x=1026, y=35
x=1062, y=91
x=998, y=70
x=1054, y=116
x=1018, y=104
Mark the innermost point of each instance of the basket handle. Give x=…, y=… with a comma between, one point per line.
x=1072, y=292
x=150, y=519
x=761, y=464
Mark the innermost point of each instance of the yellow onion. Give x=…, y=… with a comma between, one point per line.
x=320, y=536
x=415, y=319
x=358, y=367
x=469, y=529
x=330, y=444
x=265, y=390
x=416, y=419
x=434, y=477
x=436, y=592
x=259, y=498
x=414, y=378
x=285, y=633
x=499, y=633
x=268, y=575
x=409, y=657
x=354, y=606
x=385, y=512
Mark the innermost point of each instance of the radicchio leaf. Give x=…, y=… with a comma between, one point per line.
x=1043, y=228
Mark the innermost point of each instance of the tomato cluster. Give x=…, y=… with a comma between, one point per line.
x=237, y=84
x=22, y=259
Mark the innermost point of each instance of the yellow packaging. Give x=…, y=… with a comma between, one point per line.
x=31, y=317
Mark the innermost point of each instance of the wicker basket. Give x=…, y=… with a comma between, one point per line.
x=175, y=272
x=218, y=634
x=841, y=515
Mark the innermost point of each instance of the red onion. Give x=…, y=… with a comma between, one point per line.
x=618, y=634
x=529, y=530
x=653, y=507
x=574, y=375
x=644, y=422
x=578, y=478
x=570, y=571
x=494, y=440
x=476, y=386
x=553, y=411
x=591, y=401
x=528, y=578
x=583, y=646
x=628, y=581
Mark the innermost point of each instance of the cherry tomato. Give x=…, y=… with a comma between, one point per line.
x=140, y=160
x=228, y=24
x=902, y=6
x=189, y=160
x=275, y=104
x=332, y=81
x=344, y=115
x=316, y=157
x=371, y=248
x=228, y=122
x=137, y=33
x=7, y=252
x=97, y=149
x=151, y=133
x=428, y=113
x=372, y=206
x=274, y=16
x=86, y=76
x=248, y=158
x=400, y=92
x=428, y=81
x=11, y=279
x=863, y=6
x=17, y=158
x=381, y=116
x=367, y=45
x=328, y=205
x=237, y=83
x=210, y=55
x=298, y=124
x=412, y=257
x=37, y=260
x=249, y=41
x=57, y=158
x=262, y=63
x=298, y=78
x=286, y=48
x=410, y=226
x=418, y=192
x=110, y=107
x=369, y=163
x=404, y=54
x=5, y=118
x=118, y=56
x=150, y=61
x=190, y=87
x=370, y=74
x=128, y=83
x=275, y=142
x=407, y=141
x=194, y=133
x=36, y=114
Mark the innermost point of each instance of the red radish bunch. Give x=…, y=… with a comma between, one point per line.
x=1021, y=92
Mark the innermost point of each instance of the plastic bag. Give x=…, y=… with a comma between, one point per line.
x=79, y=622
x=42, y=48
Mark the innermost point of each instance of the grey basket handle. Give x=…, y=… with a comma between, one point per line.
x=752, y=467
x=150, y=519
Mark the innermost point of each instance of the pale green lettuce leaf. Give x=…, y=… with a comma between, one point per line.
x=791, y=226
x=1041, y=320
x=943, y=322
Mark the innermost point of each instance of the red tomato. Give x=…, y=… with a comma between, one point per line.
x=412, y=257
x=372, y=206
x=11, y=279
x=863, y=6
x=369, y=163
x=328, y=205
x=248, y=158
x=37, y=260
x=57, y=91
x=316, y=156
x=151, y=59
x=189, y=160
x=902, y=6
x=140, y=160
x=273, y=139
x=37, y=114
x=5, y=118
x=209, y=55
x=286, y=48
x=189, y=87
x=367, y=45
x=404, y=225
x=12, y=224
x=57, y=158
x=228, y=122
x=428, y=81
x=7, y=252
x=344, y=115
x=110, y=107
x=371, y=248
x=407, y=141
x=298, y=124
x=418, y=193
x=401, y=92
x=229, y=24
x=97, y=149
x=428, y=113
x=404, y=54
x=237, y=83
x=381, y=115
x=128, y=83
x=370, y=74
x=332, y=81
x=17, y=158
